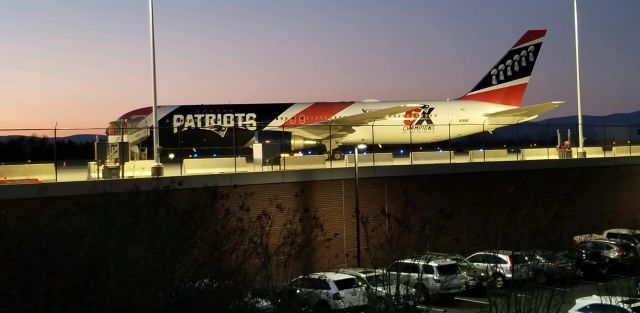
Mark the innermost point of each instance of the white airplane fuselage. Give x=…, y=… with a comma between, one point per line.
x=446, y=120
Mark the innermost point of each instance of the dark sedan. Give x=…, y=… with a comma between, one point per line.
x=547, y=266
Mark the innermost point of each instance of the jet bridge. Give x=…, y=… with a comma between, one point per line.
x=122, y=145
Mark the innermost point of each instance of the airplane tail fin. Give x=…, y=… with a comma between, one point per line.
x=506, y=82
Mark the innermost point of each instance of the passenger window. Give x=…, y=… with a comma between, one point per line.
x=296, y=283
x=494, y=259
x=410, y=268
x=478, y=258
x=428, y=269
x=302, y=283
x=395, y=267
x=320, y=284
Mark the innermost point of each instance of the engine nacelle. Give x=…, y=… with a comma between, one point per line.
x=288, y=140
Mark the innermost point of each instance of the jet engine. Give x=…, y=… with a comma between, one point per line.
x=288, y=140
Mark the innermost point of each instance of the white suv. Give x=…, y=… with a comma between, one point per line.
x=328, y=291
x=609, y=304
x=441, y=277
x=383, y=293
x=501, y=265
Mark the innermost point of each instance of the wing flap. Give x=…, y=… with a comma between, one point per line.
x=343, y=126
x=371, y=116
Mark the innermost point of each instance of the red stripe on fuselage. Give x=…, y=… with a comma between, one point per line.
x=136, y=112
x=530, y=36
x=511, y=95
x=317, y=112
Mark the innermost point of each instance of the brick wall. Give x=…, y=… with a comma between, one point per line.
x=302, y=226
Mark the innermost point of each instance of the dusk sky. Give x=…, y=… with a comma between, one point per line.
x=83, y=63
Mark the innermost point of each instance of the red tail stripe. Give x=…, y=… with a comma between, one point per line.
x=530, y=36
x=511, y=95
x=323, y=110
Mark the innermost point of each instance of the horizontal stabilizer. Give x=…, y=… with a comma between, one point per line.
x=528, y=111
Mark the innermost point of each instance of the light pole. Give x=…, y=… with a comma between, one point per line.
x=355, y=163
x=156, y=168
x=581, y=153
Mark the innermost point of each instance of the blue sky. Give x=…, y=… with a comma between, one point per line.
x=84, y=63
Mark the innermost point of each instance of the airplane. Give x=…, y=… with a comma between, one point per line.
x=494, y=102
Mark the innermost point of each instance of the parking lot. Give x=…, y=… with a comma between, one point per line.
x=536, y=296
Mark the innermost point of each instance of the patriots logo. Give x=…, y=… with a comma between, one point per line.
x=218, y=129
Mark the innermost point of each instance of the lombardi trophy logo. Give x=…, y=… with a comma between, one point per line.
x=419, y=117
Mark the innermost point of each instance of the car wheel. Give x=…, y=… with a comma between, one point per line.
x=381, y=304
x=448, y=298
x=498, y=281
x=322, y=307
x=422, y=294
x=337, y=155
x=540, y=277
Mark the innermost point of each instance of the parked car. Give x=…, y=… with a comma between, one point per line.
x=475, y=278
x=589, y=264
x=501, y=266
x=631, y=236
x=382, y=291
x=606, y=304
x=620, y=254
x=547, y=265
x=326, y=291
x=431, y=278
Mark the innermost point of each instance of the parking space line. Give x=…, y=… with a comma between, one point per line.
x=621, y=276
x=471, y=300
x=427, y=308
x=588, y=282
x=555, y=288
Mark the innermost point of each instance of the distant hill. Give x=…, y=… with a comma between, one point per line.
x=625, y=119
x=81, y=138
x=598, y=130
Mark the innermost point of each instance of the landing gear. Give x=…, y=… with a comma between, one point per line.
x=337, y=154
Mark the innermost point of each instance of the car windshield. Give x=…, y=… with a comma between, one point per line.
x=463, y=262
x=376, y=280
x=449, y=269
x=552, y=257
x=347, y=283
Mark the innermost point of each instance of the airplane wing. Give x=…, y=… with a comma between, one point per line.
x=530, y=111
x=343, y=126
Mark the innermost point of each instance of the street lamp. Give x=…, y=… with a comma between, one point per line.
x=355, y=163
x=581, y=152
x=156, y=168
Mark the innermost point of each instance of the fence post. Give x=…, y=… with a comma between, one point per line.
x=55, y=150
x=449, y=143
